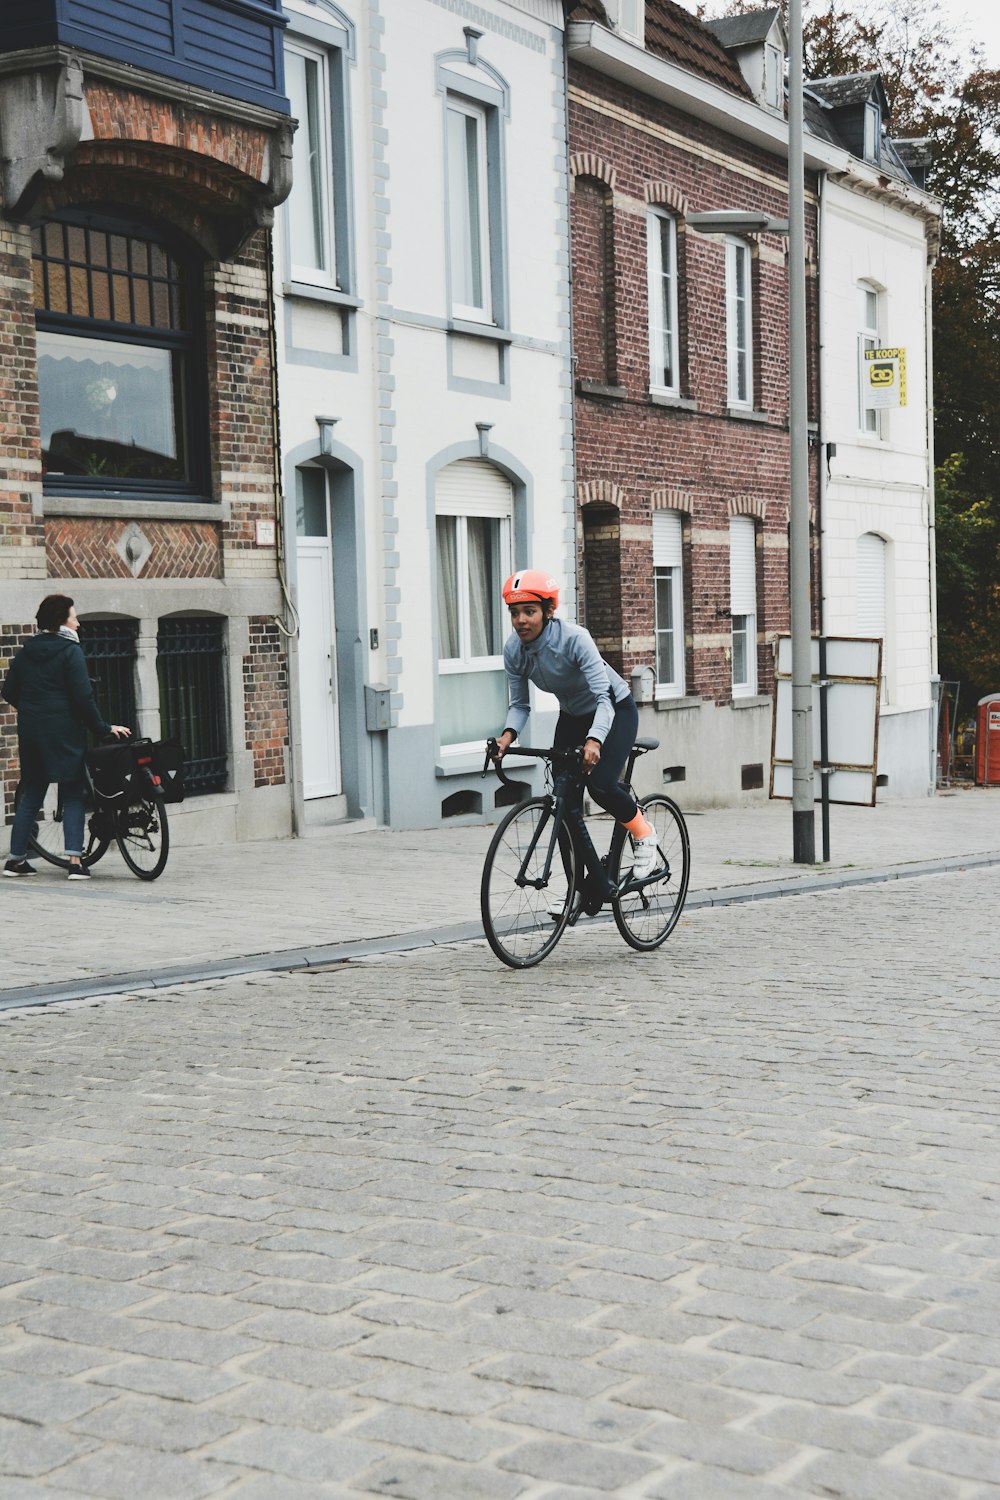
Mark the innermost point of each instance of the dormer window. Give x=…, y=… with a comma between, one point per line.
x=632, y=19
x=772, y=76
x=873, y=129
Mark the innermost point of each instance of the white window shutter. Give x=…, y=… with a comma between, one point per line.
x=742, y=566
x=668, y=539
x=871, y=585
x=473, y=487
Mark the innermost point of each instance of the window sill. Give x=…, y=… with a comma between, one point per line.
x=132, y=510
x=306, y=292
x=751, y=700
x=680, y=403
x=466, y=763
x=746, y=414
x=595, y=388
x=481, y=331
x=665, y=705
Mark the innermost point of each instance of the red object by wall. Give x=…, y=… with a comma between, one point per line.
x=988, y=741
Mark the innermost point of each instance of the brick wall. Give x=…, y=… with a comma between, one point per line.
x=265, y=689
x=80, y=548
x=20, y=466
x=655, y=153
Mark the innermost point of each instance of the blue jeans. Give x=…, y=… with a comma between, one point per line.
x=33, y=791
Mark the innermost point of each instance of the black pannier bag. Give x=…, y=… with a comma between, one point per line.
x=168, y=765
x=113, y=772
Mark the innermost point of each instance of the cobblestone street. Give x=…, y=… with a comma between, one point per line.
x=718, y=1223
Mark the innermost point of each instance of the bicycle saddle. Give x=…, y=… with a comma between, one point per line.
x=646, y=743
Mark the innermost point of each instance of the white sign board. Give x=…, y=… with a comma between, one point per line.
x=853, y=672
x=883, y=379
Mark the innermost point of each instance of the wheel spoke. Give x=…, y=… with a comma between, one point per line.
x=647, y=916
x=516, y=918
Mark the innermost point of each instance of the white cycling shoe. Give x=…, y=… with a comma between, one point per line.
x=646, y=856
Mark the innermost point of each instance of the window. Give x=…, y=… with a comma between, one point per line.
x=110, y=648
x=739, y=324
x=872, y=613
x=743, y=604
x=190, y=657
x=473, y=502
x=661, y=263
x=311, y=241
x=631, y=19
x=869, y=420
x=772, y=75
x=873, y=129
x=468, y=212
x=668, y=580
x=120, y=373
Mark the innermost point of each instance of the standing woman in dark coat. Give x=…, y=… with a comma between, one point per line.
x=49, y=686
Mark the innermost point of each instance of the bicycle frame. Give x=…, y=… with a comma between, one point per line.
x=567, y=809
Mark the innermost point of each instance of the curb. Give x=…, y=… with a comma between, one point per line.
x=299, y=959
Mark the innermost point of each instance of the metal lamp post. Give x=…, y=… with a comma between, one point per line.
x=735, y=221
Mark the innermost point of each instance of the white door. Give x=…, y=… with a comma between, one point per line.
x=318, y=669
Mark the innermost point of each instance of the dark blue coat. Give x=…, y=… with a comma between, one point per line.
x=49, y=686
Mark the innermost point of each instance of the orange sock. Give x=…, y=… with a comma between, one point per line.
x=639, y=828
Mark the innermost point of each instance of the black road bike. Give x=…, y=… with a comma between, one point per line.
x=542, y=870
x=139, y=825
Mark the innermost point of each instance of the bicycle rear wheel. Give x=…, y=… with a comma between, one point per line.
x=143, y=837
x=647, y=917
x=46, y=839
x=517, y=921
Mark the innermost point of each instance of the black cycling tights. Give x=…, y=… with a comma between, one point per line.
x=603, y=783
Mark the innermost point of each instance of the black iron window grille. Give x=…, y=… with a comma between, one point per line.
x=110, y=649
x=190, y=657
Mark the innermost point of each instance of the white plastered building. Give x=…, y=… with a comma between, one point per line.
x=425, y=386
x=878, y=235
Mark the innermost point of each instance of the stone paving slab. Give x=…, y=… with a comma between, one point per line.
x=305, y=898
x=716, y=1223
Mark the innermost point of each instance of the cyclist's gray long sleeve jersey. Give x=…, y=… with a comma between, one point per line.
x=565, y=661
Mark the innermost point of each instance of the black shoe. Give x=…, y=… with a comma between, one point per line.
x=79, y=872
x=19, y=867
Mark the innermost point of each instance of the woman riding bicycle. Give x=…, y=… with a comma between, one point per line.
x=596, y=708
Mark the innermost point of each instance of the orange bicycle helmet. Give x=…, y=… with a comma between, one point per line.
x=531, y=586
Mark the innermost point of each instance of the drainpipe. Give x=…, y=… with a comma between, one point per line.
x=824, y=466
x=931, y=522
x=283, y=545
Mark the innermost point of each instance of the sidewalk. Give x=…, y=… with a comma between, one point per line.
x=342, y=886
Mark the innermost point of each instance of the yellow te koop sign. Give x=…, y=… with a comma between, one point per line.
x=884, y=378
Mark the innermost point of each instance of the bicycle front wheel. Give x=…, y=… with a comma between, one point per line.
x=647, y=917
x=46, y=840
x=523, y=923
x=143, y=837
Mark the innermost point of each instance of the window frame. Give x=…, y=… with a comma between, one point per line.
x=663, y=297
x=870, y=419
x=737, y=250
x=636, y=32
x=324, y=213
x=465, y=662
x=471, y=109
x=872, y=129
x=772, y=75
x=747, y=686
x=189, y=344
x=675, y=687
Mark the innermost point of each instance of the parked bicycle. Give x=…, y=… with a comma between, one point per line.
x=128, y=805
x=542, y=870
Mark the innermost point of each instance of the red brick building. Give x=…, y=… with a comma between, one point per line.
x=681, y=350
x=140, y=169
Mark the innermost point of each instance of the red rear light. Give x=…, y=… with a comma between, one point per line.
x=144, y=760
